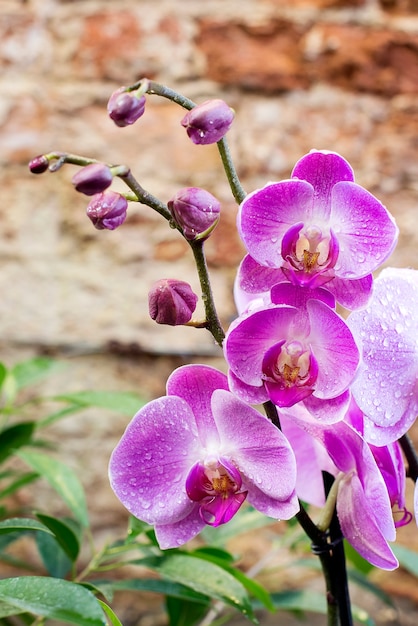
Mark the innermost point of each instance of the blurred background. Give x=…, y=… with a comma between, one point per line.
x=339, y=75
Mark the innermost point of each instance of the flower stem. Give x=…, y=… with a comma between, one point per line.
x=338, y=593
x=165, y=92
x=143, y=196
x=230, y=171
x=212, y=320
x=410, y=455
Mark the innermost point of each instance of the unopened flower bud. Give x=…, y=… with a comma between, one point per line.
x=107, y=210
x=208, y=122
x=39, y=164
x=196, y=211
x=125, y=107
x=92, y=179
x=171, y=302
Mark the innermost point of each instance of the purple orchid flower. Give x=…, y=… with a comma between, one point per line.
x=390, y=462
x=298, y=351
x=362, y=501
x=386, y=388
x=193, y=457
x=319, y=227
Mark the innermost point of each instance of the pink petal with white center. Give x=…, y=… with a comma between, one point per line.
x=323, y=169
x=178, y=533
x=266, y=214
x=334, y=349
x=195, y=384
x=359, y=518
x=366, y=232
x=149, y=466
x=250, y=337
x=259, y=450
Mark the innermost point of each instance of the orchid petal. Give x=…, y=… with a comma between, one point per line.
x=323, y=170
x=294, y=295
x=195, y=384
x=351, y=294
x=260, y=451
x=359, y=517
x=255, y=278
x=386, y=388
x=247, y=341
x=252, y=394
x=176, y=534
x=366, y=232
x=334, y=348
x=310, y=456
x=220, y=510
x=149, y=466
x=328, y=411
x=266, y=214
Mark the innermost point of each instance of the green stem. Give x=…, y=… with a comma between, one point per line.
x=144, y=197
x=212, y=320
x=225, y=154
x=230, y=171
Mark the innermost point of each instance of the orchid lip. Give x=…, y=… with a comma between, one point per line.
x=215, y=486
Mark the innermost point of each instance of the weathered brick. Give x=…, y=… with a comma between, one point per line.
x=281, y=56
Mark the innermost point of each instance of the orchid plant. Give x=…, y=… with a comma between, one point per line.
x=311, y=419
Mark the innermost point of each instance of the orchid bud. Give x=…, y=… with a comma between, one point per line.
x=107, y=210
x=92, y=179
x=196, y=211
x=125, y=107
x=39, y=164
x=171, y=302
x=208, y=122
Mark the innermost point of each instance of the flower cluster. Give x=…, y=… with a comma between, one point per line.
x=313, y=241
x=331, y=353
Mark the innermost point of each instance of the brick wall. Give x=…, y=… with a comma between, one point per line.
x=332, y=74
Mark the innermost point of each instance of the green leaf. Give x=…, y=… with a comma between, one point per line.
x=301, y=601
x=113, y=618
x=183, y=613
x=64, y=534
x=204, y=577
x=56, y=561
x=58, y=415
x=407, y=558
x=33, y=370
x=214, y=555
x=366, y=584
x=18, y=483
x=23, y=524
x=165, y=587
x=355, y=559
x=15, y=437
x=62, y=479
x=52, y=598
x=247, y=520
x=3, y=374
x=123, y=402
